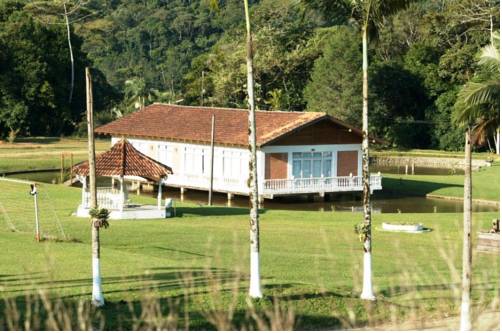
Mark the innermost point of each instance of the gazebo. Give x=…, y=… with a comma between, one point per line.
x=123, y=162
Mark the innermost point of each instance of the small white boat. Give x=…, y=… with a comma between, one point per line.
x=403, y=227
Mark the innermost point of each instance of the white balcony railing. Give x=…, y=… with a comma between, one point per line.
x=277, y=186
x=319, y=185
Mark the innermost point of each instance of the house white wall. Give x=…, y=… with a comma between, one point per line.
x=191, y=162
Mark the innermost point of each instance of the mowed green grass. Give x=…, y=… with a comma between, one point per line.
x=44, y=153
x=485, y=183
x=310, y=261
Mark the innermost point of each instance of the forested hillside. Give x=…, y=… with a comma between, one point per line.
x=307, y=57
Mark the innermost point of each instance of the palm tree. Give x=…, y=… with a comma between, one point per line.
x=478, y=102
x=477, y=105
x=370, y=15
x=97, y=293
x=136, y=93
x=254, y=285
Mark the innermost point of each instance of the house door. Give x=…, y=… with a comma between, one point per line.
x=276, y=166
x=347, y=163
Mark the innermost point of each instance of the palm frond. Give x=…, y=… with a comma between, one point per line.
x=473, y=101
x=490, y=59
x=484, y=128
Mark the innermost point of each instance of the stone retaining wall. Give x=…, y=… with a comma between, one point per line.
x=427, y=162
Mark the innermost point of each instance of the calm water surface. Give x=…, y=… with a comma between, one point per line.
x=342, y=202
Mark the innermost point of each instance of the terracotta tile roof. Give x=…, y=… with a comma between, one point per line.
x=124, y=160
x=193, y=124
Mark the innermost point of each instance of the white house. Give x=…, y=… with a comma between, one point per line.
x=298, y=152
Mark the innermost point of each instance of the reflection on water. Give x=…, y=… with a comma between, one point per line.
x=345, y=203
x=340, y=202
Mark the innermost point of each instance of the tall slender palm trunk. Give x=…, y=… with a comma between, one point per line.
x=97, y=293
x=72, y=82
x=254, y=285
x=465, y=309
x=367, y=292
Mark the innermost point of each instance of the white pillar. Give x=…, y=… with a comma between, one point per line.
x=97, y=292
x=121, y=193
x=367, y=293
x=465, y=315
x=84, y=190
x=254, y=283
x=159, y=195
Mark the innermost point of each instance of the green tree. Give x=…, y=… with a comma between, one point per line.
x=285, y=53
x=397, y=103
x=13, y=115
x=334, y=86
x=34, y=75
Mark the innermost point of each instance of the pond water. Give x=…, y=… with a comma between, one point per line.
x=381, y=201
x=340, y=202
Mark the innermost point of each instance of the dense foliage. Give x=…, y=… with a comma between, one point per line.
x=307, y=54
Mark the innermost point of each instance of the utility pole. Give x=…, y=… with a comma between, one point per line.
x=211, y=164
x=34, y=193
x=97, y=293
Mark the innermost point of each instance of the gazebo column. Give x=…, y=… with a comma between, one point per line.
x=121, y=201
x=83, y=179
x=159, y=195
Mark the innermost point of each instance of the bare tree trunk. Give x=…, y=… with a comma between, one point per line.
x=489, y=145
x=72, y=83
x=254, y=286
x=465, y=315
x=497, y=141
x=367, y=292
x=97, y=293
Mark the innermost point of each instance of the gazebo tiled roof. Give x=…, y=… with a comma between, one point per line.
x=124, y=160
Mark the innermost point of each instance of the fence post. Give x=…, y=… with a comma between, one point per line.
x=37, y=222
x=62, y=168
x=71, y=168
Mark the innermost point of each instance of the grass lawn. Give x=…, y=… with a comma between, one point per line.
x=44, y=153
x=311, y=263
x=485, y=184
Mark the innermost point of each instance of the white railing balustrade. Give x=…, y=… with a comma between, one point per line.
x=108, y=198
x=320, y=185
x=201, y=181
x=277, y=186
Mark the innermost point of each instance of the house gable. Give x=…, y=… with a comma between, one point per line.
x=321, y=132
